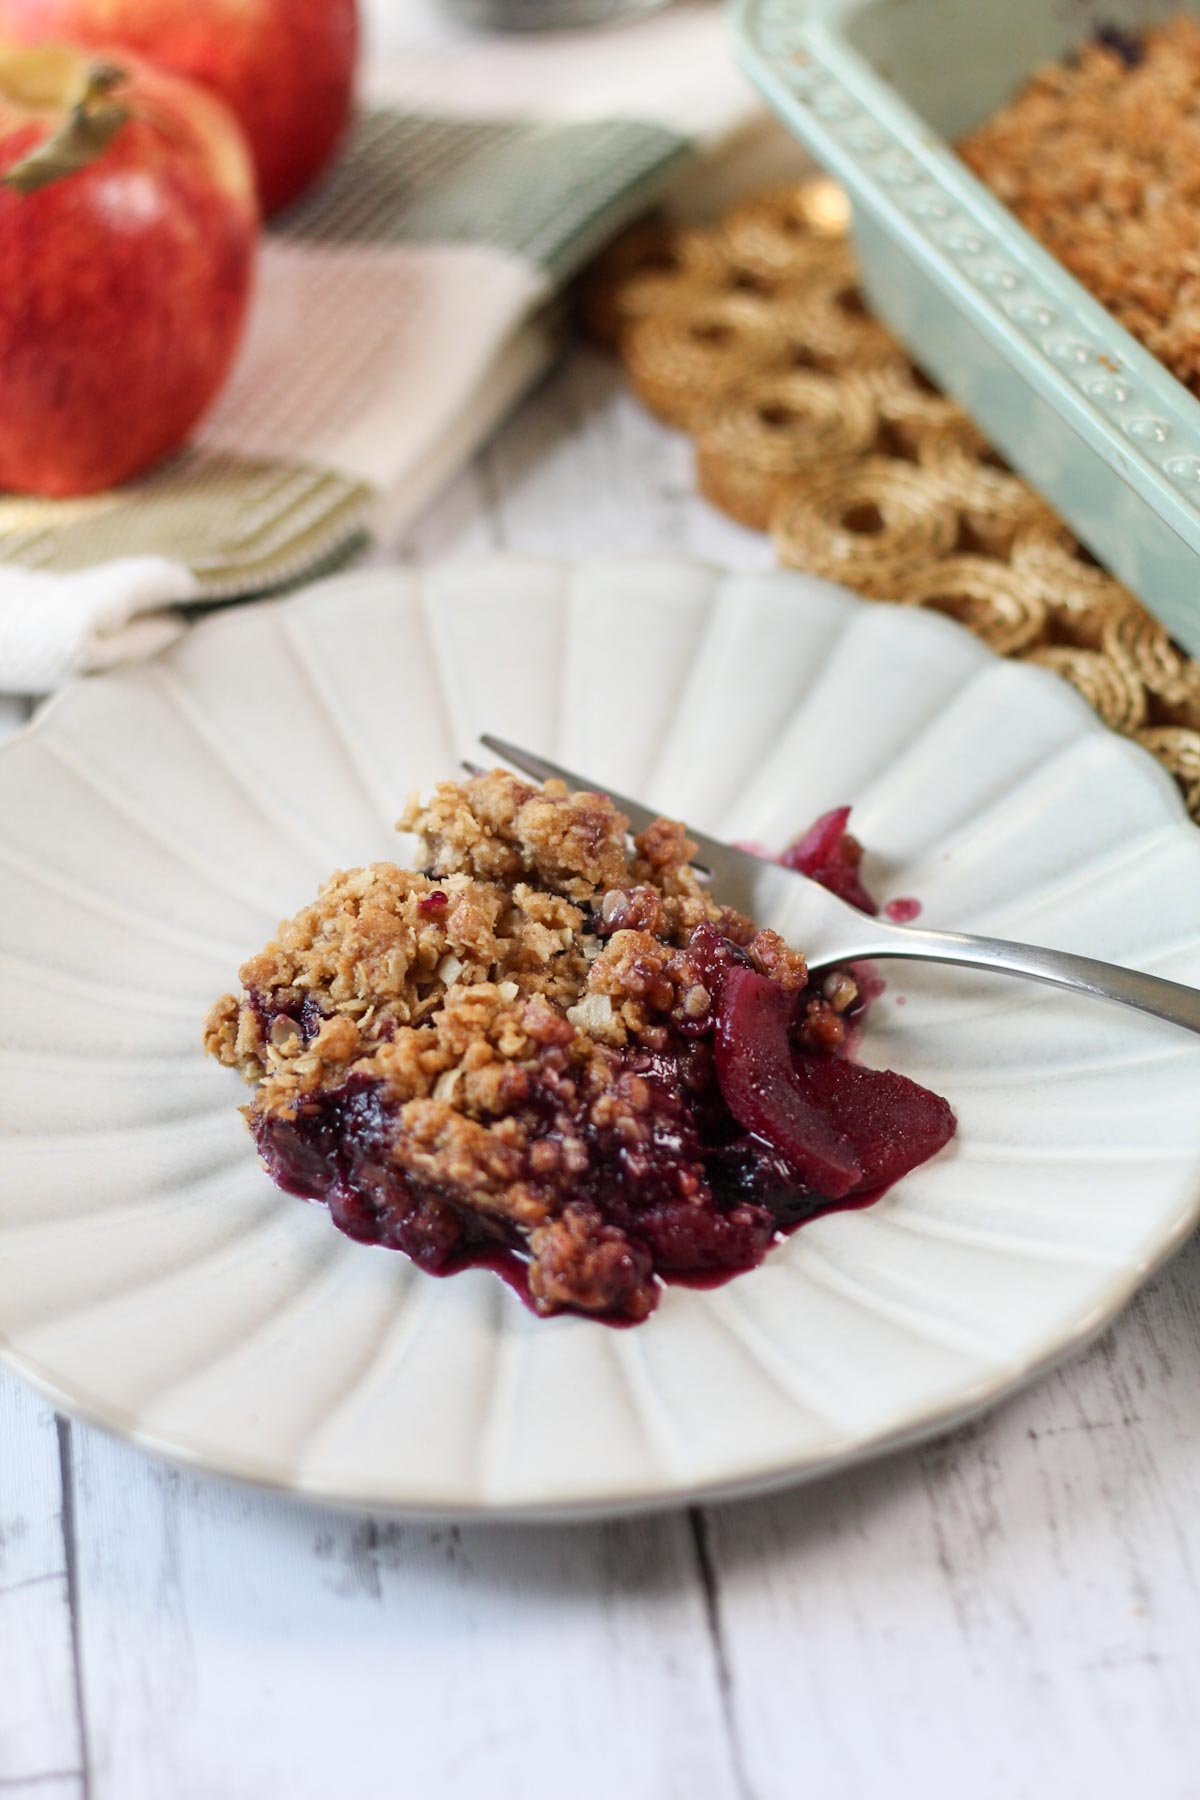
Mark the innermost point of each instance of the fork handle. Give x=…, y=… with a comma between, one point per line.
x=1170, y=1000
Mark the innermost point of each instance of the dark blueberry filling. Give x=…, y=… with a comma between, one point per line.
x=336, y=1149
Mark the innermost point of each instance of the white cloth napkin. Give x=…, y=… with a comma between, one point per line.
x=56, y=626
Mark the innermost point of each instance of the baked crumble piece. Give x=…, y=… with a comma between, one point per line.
x=549, y=1046
x=1100, y=159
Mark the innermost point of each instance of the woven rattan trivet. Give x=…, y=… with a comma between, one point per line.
x=810, y=422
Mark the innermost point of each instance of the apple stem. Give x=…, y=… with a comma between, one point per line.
x=90, y=127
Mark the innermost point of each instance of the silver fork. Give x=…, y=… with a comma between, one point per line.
x=829, y=931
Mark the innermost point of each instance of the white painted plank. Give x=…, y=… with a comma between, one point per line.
x=38, y=1720
x=237, y=1645
x=585, y=471
x=1020, y=1601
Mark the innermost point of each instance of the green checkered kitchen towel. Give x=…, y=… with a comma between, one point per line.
x=401, y=309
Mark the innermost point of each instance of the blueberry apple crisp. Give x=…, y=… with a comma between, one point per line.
x=556, y=1054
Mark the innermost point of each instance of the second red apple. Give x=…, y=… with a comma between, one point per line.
x=286, y=67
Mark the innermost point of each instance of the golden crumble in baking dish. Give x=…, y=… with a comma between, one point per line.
x=1099, y=158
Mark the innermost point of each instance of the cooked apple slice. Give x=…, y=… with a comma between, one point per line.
x=893, y=1123
x=754, y=1070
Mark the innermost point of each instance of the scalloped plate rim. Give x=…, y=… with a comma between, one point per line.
x=656, y=1493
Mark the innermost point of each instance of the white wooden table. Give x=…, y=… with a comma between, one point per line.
x=1013, y=1611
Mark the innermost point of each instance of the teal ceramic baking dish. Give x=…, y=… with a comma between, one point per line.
x=878, y=90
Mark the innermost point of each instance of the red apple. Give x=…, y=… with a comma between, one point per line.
x=128, y=230
x=286, y=67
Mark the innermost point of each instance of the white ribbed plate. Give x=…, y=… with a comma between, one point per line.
x=158, y=821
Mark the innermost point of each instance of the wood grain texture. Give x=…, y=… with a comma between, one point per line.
x=40, y=1746
x=1011, y=1611
x=236, y=1645
x=1020, y=1600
